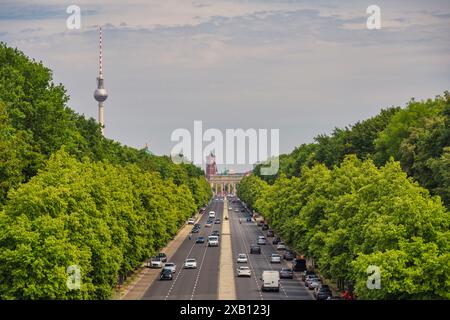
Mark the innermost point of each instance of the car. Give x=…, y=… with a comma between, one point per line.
x=323, y=292
x=269, y=233
x=299, y=264
x=212, y=214
x=217, y=221
x=310, y=279
x=166, y=274
x=190, y=264
x=215, y=233
x=156, y=262
x=236, y=210
x=200, y=240
x=275, y=258
x=288, y=255
x=208, y=224
x=276, y=240
x=242, y=258
x=281, y=246
x=307, y=273
x=265, y=227
x=314, y=283
x=244, y=271
x=261, y=240
x=170, y=266
x=260, y=223
x=191, y=221
x=197, y=225
x=213, y=241
x=249, y=219
x=254, y=248
x=286, y=273
x=162, y=256
x=195, y=230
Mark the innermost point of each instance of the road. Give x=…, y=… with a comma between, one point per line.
x=202, y=283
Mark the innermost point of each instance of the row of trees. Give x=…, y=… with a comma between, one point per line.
x=70, y=197
x=374, y=194
x=356, y=215
x=418, y=136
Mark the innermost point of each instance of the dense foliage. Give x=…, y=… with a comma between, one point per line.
x=361, y=197
x=69, y=196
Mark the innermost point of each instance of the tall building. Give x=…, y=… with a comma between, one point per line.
x=100, y=93
x=211, y=167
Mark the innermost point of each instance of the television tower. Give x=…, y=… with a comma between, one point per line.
x=100, y=93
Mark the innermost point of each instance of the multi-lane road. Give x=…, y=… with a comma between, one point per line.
x=203, y=283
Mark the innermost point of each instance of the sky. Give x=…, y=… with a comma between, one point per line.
x=303, y=67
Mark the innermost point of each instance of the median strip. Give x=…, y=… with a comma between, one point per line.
x=227, y=289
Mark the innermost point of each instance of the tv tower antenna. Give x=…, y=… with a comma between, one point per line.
x=100, y=93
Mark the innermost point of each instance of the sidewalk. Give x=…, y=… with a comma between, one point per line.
x=145, y=276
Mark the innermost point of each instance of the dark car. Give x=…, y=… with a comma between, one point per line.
x=265, y=227
x=323, y=293
x=254, y=248
x=286, y=273
x=299, y=264
x=276, y=240
x=288, y=256
x=162, y=256
x=215, y=233
x=269, y=233
x=200, y=240
x=249, y=219
x=166, y=274
x=197, y=225
x=195, y=230
x=260, y=223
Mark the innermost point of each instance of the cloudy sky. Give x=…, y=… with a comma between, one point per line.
x=303, y=67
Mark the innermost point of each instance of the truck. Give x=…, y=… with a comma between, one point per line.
x=299, y=264
x=270, y=280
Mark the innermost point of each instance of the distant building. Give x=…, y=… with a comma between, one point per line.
x=211, y=167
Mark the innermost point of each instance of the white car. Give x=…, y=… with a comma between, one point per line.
x=156, y=263
x=190, y=264
x=314, y=284
x=213, y=241
x=171, y=266
x=281, y=246
x=212, y=214
x=191, y=221
x=242, y=258
x=243, y=271
x=275, y=258
x=261, y=240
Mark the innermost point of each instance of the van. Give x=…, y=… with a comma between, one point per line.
x=213, y=241
x=270, y=281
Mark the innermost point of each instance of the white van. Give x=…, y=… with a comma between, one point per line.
x=270, y=281
x=212, y=214
x=213, y=241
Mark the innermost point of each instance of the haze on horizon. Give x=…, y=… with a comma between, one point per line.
x=303, y=67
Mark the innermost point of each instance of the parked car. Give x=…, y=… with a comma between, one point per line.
x=270, y=281
x=275, y=258
x=170, y=266
x=261, y=240
x=156, y=262
x=286, y=273
x=299, y=264
x=200, y=240
x=162, y=256
x=314, y=283
x=255, y=249
x=190, y=264
x=166, y=274
x=281, y=246
x=270, y=233
x=242, y=258
x=307, y=273
x=276, y=240
x=244, y=271
x=265, y=227
x=288, y=255
x=191, y=221
x=323, y=291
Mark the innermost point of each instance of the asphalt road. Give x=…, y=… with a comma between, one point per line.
x=202, y=283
